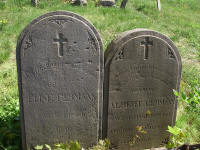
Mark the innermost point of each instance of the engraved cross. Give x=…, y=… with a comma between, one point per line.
x=146, y=43
x=60, y=42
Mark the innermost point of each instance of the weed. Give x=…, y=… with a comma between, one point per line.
x=3, y=22
x=177, y=137
x=74, y=145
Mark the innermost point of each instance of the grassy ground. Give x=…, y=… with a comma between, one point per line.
x=179, y=19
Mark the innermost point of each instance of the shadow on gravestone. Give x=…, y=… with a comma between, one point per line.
x=60, y=79
x=142, y=67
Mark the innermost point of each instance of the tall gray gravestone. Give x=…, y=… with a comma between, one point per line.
x=142, y=67
x=60, y=73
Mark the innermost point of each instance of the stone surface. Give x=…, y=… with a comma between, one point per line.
x=142, y=67
x=60, y=70
x=107, y=2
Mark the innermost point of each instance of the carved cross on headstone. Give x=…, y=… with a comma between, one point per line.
x=146, y=43
x=60, y=42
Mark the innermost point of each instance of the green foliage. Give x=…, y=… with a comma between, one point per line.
x=102, y=145
x=74, y=145
x=138, y=135
x=5, y=49
x=188, y=108
x=10, y=134
x=177, y=137
x=191, y=97
x=3, y=22
x=9, y=110
x=39, y=147
x=5, y=46
x=68, y=146
x=2, y=5
x=175, y=93
x=20, y=2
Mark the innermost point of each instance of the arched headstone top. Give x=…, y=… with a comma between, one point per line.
x=124, y=37
x=69, y=15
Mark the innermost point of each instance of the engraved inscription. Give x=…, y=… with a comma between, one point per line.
x=117, y=117
x=146, y=71
x=64, y=97
x=120, y=55
x=54, y=114
x=27, y=44
x=60, y=41
x=158, y=101
x=123, y=131
x=92, y=43
x=146, y=43
x=170, y=53
x=59, y=22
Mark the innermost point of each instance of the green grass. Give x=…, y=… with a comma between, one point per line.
x=179, y=19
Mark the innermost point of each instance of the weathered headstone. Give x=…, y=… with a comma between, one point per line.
x=35, y=2
x=60, y=66
x=78, y=2
x=142, y=67
x=107, y=3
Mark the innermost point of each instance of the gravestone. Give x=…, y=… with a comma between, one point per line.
x=159, y=5
x=142, y=67
x=60, y=70
x=35, y=2
x=123, y=3
x=78, y=2
x=107, y=3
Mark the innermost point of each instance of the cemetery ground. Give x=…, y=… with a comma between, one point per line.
x=178, y=19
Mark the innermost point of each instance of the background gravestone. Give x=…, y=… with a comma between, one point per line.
x=60, y=66
x=107, y=3
x=142, y=67
x=34, y=2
